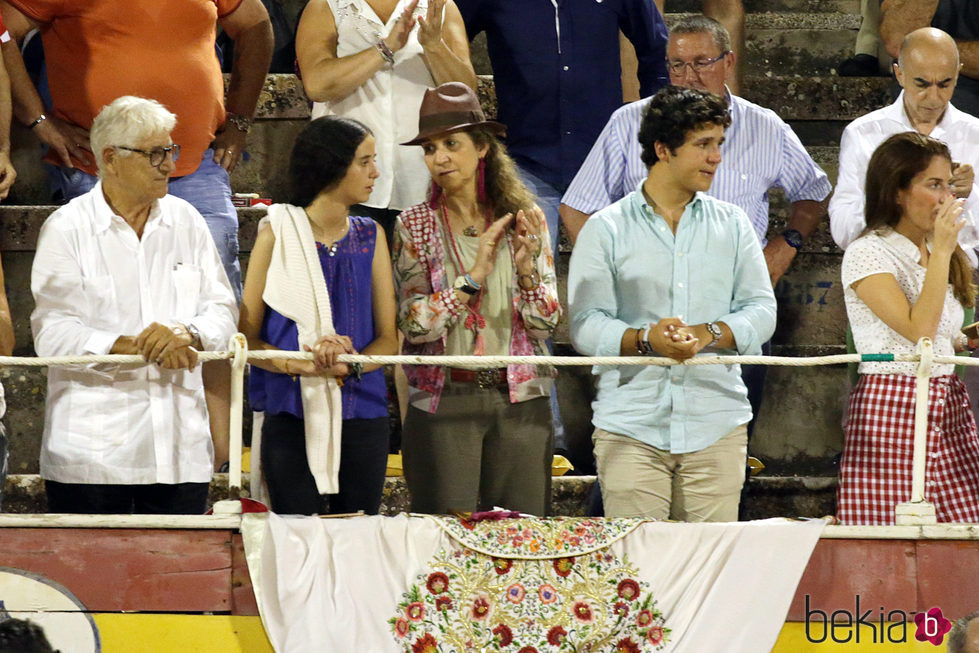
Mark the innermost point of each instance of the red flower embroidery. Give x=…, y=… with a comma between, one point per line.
x=621, y=609
x=626, y=646
x=415, y=611
x=563, y=566
x=425, y=644
x=437, y=583
x=629, y=589
x=401, y=627
x=481, y=608
x=582, y=612
x=502, y=565
x=504, y=636
x=527, y=649
x=644, y=618
x=443, y=604
x=556, y=635
x=655, y=635
x=547, y=594
x=515, y=593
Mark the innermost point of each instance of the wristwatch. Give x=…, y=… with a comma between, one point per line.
x=195, y=335
x=793, y=238
x=715, y=331
x=462, y=283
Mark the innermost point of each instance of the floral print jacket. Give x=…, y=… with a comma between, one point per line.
x=428, y=308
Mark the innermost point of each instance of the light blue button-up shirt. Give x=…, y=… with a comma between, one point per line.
x=628, y=269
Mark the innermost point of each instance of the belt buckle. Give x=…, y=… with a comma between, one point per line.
x=487, y=378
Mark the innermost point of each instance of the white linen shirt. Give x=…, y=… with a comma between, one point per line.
x=958, y=130
x=388, y=102
x=93, y=281
x=885, y=251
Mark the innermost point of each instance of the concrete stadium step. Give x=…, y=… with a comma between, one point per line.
x=763, y=6
x=817, y=107
x=781, y=42
x=767, y=496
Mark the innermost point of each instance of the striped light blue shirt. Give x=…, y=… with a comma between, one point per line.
x=760, y=152
x=628, y=269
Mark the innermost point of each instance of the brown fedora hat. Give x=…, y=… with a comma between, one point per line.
x=448, y=108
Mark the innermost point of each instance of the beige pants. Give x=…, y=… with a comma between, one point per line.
x=639, y=480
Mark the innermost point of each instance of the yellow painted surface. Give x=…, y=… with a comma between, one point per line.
x=793, y=639
x=166, y=633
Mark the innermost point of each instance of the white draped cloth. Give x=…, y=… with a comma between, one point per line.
x=296, y=288
x=415, y=582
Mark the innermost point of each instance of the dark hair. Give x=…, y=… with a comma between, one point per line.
x=892, y=166
x=23, y=636
x=323, y=152
x=700, y=24
x=956, y=636
x=673, y=113
x=505, y=192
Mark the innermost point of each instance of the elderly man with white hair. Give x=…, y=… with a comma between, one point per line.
x=128, y=269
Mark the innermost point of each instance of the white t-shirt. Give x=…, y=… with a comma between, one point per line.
x=886, y=251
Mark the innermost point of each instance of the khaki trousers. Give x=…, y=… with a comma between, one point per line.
x=639, y=480
x=479, y=451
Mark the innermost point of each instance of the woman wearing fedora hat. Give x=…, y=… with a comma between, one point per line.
x=474, y=274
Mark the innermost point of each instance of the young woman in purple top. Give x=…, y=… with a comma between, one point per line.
x=332, y=168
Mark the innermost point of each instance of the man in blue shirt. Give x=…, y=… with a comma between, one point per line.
x=558, y=78
x=670, y=271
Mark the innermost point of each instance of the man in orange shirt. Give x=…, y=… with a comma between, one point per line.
x=99, y=50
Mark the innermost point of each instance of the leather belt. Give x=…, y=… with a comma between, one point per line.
x=485, y=379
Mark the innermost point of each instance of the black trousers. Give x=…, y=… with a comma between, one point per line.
x=363, y=462
x=104, y=499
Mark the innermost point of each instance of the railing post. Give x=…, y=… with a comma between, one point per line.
x=916, y=510
x=239, y=345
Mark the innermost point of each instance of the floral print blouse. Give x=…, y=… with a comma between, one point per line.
x=428, y=308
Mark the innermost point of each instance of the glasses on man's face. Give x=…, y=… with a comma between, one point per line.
x=699, y=66
x=157, y=155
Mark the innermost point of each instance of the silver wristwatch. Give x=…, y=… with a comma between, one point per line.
x=462, y=283
x=715, y=332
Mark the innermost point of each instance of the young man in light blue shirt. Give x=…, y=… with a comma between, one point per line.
x=670, y=271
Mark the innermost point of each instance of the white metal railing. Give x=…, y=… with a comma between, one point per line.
x=915, y=511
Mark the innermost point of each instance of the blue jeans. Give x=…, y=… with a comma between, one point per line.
x=548, y=198
x=208, y=189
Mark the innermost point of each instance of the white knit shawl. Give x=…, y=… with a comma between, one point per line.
x=295, y=287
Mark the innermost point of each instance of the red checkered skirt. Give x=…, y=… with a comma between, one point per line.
x=875, y=471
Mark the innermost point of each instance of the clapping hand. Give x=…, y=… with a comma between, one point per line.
x=430, y=27
x=402, y=28
x=489, y=240
x=527, y=240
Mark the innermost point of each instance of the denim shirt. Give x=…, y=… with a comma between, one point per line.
x=628, y=270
